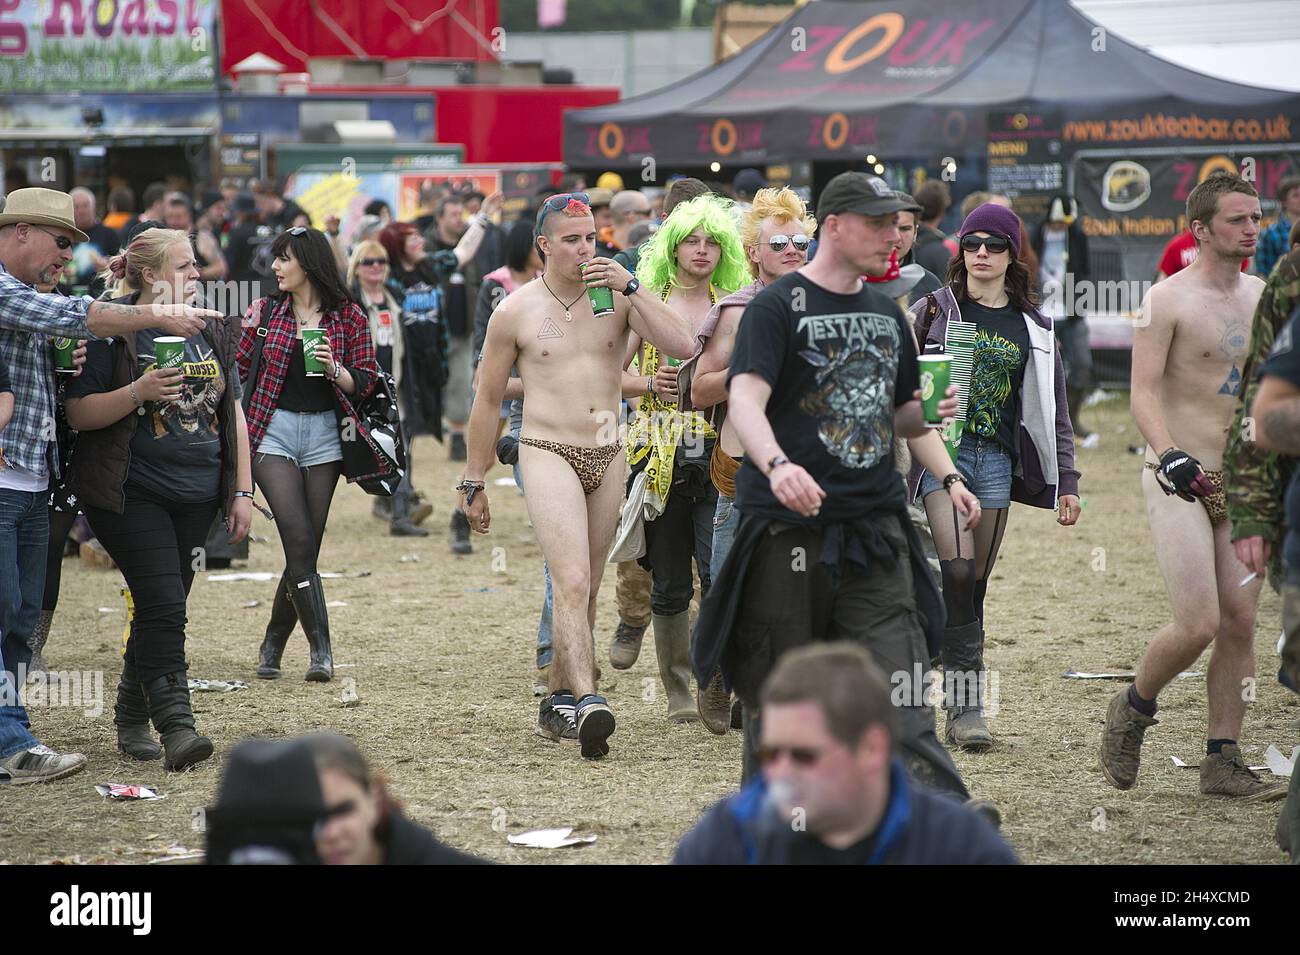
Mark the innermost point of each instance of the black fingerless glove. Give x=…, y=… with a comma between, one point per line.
x=1180, y=472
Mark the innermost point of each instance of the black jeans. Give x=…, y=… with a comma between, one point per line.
x=158, y=546
x=684, y=530
x=791, y=599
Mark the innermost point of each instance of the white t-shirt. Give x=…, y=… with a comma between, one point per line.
x=15, y=478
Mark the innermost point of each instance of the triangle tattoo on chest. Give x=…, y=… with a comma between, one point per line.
x=549, y=330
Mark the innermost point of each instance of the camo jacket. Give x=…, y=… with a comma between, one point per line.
x=1255, y=480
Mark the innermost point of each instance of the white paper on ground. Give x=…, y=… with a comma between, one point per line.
x=124, y=791
x=217, y=686
x=351, y=574
x=109, y=609
x=336, y=603
x=1278, y=763
x=549, y=839
x=1119, y=675
x=244, y=575
x=505, y=482
x=1181, y=765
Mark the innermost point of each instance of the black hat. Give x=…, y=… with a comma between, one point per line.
x=748, y=182
x=860, y=193
x=242, y=203
x=268, y=806
x=912, y=204
x=207, y=199
x=144, y=225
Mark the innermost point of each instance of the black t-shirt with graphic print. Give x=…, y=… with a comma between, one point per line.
x=176, y=448
x=997, y=372
x=838, y=365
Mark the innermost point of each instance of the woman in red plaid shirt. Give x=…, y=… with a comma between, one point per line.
x=295, y=420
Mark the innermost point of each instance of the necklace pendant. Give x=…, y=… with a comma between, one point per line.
x=568, y=315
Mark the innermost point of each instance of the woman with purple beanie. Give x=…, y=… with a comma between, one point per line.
x=1015, y=444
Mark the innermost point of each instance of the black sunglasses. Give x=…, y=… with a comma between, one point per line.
x=799, y=755
x=556, y=203
x=994, y=243
x=779, y=242
x=373, y=262
x=62, y=241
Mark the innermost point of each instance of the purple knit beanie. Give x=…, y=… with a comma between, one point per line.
x=995, y=219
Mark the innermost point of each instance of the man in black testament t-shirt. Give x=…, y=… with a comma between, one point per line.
x=823, y=375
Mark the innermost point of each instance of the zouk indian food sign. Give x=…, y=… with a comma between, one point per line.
x=50, y=45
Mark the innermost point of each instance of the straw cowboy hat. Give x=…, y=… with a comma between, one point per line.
x=41, y=207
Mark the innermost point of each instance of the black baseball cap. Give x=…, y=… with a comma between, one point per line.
x=860, y=193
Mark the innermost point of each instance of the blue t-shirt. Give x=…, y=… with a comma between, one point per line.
x=1284, y=362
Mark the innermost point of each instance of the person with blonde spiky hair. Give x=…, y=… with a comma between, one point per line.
x=775, y=232
x=693, y=260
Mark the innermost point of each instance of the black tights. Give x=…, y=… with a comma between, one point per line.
x=300, y=500
x=60, y=527
x=966, y=557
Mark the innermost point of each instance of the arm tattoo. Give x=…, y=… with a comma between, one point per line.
x=1282, y=424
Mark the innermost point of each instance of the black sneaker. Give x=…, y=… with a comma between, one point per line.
x=555, y=718
x=595, y=725
x=460, y=543
x=456, y=450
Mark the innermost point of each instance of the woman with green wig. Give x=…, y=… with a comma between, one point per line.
x=695, y=259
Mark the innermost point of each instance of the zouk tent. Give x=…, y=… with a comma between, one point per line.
x=1025, y=97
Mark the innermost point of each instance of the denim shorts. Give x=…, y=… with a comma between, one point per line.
x=305, y=438
x=985, y=465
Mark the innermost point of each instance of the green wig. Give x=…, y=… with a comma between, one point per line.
x=657, y=268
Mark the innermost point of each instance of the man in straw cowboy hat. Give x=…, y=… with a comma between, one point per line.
x=37, y=233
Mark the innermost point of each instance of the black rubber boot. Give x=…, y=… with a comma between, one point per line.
x=460, y=542
x=278, y=631
x=169, y=708
x=309, y=600
x=131, y=716
x=963, y=665
x=401, y=524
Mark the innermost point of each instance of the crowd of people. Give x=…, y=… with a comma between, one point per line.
x=717, y=389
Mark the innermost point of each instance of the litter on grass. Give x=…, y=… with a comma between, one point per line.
x=217, y=686
x=121, y=791
x=550, y=839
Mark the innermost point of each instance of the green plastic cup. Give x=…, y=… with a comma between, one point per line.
x=63, y=349
x=310, y=338
x=935, y=371
x=169, y=352
x=601, y=298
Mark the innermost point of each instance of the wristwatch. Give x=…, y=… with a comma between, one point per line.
x=632, y=286
x=776, y=462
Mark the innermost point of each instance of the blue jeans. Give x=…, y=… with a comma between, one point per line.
x=985, y=465
x=725, y=519
x=24, y=536
x=14, y=735
x=548, y=602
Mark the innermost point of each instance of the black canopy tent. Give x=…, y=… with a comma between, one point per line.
x=837, y=78
x=1014, y=92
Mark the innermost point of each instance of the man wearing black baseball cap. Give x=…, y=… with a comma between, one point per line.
x=823, y=376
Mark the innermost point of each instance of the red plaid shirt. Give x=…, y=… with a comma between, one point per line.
x=348, y=331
